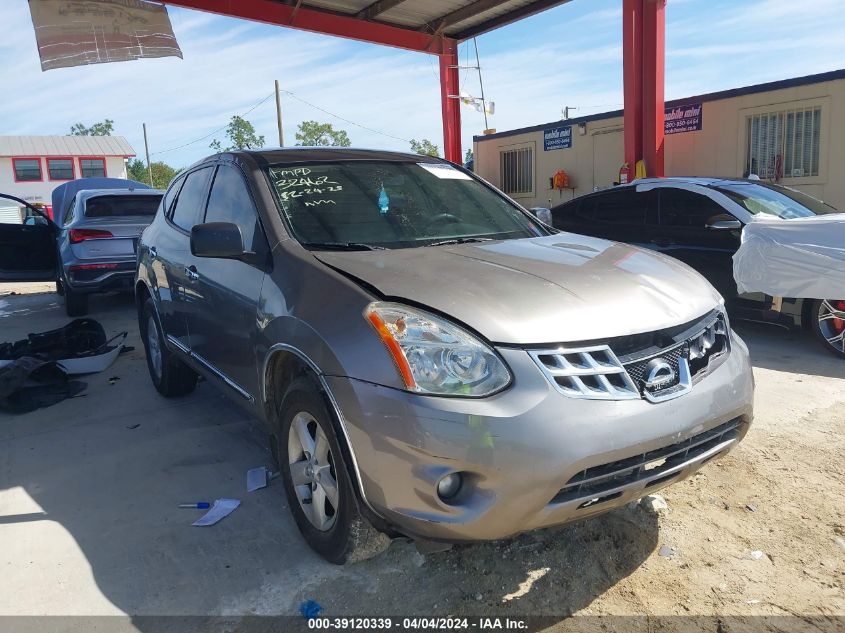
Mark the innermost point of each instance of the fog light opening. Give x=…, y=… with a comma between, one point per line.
x=449, y=486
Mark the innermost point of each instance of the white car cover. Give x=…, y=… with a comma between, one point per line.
x=802, y=258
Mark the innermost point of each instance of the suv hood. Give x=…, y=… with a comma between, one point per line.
x=553, y=289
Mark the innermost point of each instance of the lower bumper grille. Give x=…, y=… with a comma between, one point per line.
x=599, y=480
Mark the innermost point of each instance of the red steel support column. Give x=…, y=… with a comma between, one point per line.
x=632, y=66
x=654, y=47
x=451, y=106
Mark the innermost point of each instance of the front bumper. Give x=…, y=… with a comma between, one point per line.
x=532, y=457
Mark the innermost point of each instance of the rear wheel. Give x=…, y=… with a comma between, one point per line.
x=828, y=323
x=76, y=303
x=319, y=489
x=171, y=377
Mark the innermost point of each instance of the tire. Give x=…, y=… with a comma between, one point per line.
x=76, y=303
x=171, y=377
x=829, y=329
x=344, y=535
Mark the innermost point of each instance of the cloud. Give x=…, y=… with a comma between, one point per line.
x=570, y=55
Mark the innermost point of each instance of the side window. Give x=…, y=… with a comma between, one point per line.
x=191, y=199
x=230, y=202
x=621, y=207
x=170, y=195
x=679, y=207
x=69, y=215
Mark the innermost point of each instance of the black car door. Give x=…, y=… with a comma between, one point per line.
x=179, y=294
x=28, y=250
x=687, y=230
x=223, y=328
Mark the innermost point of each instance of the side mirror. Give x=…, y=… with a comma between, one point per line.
x=543, y=214
x=723, y=222
x=222, y=240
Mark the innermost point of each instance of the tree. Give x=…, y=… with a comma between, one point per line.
x=162, y=173
x=241, y=135
x=321, y=134
x=468, y=156
x=425, y=147
x=103, y=128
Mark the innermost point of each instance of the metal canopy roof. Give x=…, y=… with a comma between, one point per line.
x=457, y=19
x=452, y=19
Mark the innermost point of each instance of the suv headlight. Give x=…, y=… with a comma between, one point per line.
x=435, y=356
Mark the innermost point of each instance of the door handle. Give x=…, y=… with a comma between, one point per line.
x=153, y=252
x=192, y=273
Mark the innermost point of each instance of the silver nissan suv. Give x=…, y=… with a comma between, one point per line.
x=430, y=360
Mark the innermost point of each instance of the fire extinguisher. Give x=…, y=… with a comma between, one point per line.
x=625, y=174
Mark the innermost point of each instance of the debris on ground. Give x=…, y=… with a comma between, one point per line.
x=755, y=554
x=655, y=503
x=750, y=507
x=28, y=383
x=80, y=347
x=666, y=551
x=219, y=510
x=310, y=609
x=113, y=379
x=133, y=426
x=256, y=478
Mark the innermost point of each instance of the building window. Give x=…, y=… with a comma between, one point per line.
x=27, y=169
x=784, y=144
x=516, y=170
x=92, y=167
x=60, y=168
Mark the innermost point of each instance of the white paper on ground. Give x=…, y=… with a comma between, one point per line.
x=219, y=510
x=256, y=478
x=802, y=258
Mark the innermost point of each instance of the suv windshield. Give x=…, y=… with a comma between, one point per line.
x=121, y=206
x=391, y=204
x=780, y=201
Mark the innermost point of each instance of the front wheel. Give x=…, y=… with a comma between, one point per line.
x=828, y=323
x=319, y=489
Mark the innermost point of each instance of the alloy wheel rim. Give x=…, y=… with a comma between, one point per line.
x=153, y=347
x=312, y=471
x=832, y=323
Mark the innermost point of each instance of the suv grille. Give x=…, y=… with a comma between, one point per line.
x=596, y=372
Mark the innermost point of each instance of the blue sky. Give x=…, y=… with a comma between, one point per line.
x=570, y=55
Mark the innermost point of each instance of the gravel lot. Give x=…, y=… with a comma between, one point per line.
x=89, y=524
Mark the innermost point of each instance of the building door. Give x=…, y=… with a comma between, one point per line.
x=608, y=155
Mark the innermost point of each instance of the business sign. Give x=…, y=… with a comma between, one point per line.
x=557, y=138
x=81, y=32
x=685, y=118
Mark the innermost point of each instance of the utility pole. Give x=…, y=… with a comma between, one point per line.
x=147, y=152
x=279, y=115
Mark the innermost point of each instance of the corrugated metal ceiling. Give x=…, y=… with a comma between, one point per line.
x=454, y=18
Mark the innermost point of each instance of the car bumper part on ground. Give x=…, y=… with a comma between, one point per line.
x=532, y=457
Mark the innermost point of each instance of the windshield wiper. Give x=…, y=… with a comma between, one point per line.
x=343, y=246
x=461, y=240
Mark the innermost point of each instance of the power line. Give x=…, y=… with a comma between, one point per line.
x=337, y=116
x=220, y=129
x=265, y=99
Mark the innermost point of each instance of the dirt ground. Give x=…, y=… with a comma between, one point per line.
x=760, y=532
